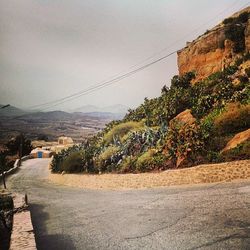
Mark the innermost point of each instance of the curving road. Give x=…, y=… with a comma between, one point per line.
x=201, y=217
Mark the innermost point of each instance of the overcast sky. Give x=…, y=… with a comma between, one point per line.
x=52, y=48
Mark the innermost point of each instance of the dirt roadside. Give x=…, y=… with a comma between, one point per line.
x=208, y=173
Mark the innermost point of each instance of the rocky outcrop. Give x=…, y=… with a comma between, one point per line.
x=237, y=139
x=185, y=117
x=210, y=52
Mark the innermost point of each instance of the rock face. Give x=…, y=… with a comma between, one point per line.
x=185, y=117
x=210, y=52
x=237, y=139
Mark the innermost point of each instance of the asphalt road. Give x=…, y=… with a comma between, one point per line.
x=200, y=217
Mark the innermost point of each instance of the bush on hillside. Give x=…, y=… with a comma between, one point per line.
x=243, y=17
x=73, y=163
x=228, y=20
x=120, y=130
x=140, y=141
x=57, y=161
x=184, y=141
x=171, y=102
x=235, y=118
x=235, y=31
x=13, y=145
x=128, y=165
x=145, y=161
x=107, y=158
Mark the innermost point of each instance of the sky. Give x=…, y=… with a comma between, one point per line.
x=50, y=49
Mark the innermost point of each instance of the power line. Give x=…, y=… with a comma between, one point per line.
x=100, y=86
x=107, y=83
x=117, y=77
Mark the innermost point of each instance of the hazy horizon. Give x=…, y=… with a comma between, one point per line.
x=51, y=49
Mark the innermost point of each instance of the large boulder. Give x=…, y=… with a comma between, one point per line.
x=185, y=117
x=237, y=139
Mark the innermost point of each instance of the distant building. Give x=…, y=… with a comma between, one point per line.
x=63, y=140
x=41, y=153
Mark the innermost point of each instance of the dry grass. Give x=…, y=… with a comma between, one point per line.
x=235, y=118
x=209, y=173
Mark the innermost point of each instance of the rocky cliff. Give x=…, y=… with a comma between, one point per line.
x=218, y=47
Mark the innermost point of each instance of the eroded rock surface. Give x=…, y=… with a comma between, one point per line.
x=210, y=52
x=237, y=139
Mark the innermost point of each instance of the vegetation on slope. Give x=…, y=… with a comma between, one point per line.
x=149, y=139
x=235, y=28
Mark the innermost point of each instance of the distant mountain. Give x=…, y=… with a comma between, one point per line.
x=59, y=115
x=11, y=111
x=87, y=109
x=115, y=109
x=109, y=115
x=112, y=112
x=50, y=115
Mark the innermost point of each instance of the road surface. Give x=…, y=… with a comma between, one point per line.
x=213, y=216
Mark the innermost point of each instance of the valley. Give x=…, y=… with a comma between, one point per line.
x=78, y=126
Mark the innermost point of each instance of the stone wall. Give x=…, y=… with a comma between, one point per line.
x=22, y=236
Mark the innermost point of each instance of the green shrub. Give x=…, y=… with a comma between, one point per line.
x=235, y=30
x=145, y=162
x=150, y=160
x=87, y=151
x=172, y=101
x=73, y=163
x=128, y=164
x=105, y=158
x=235, y=118
x=228, y=20
x=207, y=122
x=159, y=161
x=243, y=17
x=118, y=131
x=213, y=156
x=140, y=141
x=184, y=140
x=235, y=33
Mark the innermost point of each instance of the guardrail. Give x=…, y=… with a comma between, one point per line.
x=17, y=164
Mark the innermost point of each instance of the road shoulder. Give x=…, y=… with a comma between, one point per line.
x=208, y=173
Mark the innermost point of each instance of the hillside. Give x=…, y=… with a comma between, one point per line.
x=188, y=124
x=11, y=111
